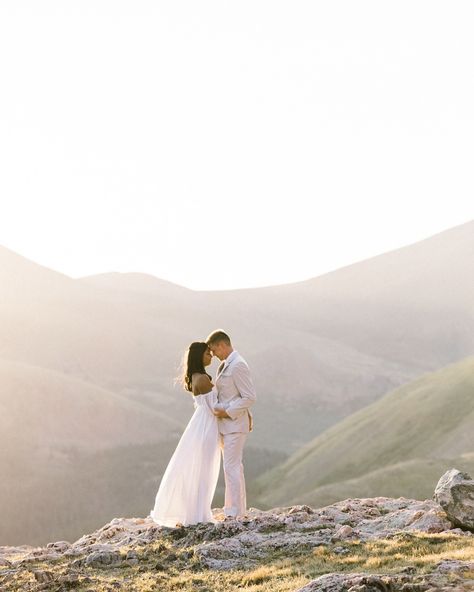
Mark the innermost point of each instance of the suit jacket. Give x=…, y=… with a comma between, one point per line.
x=235, y=393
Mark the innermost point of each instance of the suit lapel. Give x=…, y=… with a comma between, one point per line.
x=220, y=369
x=225, y=364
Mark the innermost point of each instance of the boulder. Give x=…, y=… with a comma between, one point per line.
x=448, y=576
x=455, y=494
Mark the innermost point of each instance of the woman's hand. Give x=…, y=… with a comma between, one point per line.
x=220, y=413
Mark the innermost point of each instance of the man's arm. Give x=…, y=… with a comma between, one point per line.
x=243, y=382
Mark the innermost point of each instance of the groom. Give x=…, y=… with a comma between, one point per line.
x=235, y=394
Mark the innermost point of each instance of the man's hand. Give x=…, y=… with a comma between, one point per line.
x=220, y=413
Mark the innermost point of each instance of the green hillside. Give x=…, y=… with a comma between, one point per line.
x=420, y=428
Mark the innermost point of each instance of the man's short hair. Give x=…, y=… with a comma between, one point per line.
x=217, y=337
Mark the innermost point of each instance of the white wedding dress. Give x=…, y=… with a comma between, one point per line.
x=189, y=482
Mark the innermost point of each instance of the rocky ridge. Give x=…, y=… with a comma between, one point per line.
x=114, y=556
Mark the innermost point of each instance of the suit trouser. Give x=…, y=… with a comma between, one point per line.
x=232, y=446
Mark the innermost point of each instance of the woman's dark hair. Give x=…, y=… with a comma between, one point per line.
x=193, y=363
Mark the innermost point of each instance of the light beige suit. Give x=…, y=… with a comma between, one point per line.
x=235, y=393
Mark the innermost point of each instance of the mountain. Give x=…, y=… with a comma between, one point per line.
x=332, y=344
x=413, y=305
x=414, y=476
x=399, y=443
x=134, y=282
x=70, y=451
x=57, y=412
x=319, y=351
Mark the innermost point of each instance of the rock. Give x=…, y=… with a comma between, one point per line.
x=402, y=514
x=237, y=543
x=303, y=508
x=445, y=577
x=455, y=494
x=341, y=550
x=343, y=532
x=43, y=576
x=104, y=559
x=241, y=541
x=453, y=565
x=131, y=558
x=4, y=562
x=335, y=582
x=59, y=546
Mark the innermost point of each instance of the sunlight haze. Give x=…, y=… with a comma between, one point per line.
x=228, y=145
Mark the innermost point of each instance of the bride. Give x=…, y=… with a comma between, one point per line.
x=189, y=482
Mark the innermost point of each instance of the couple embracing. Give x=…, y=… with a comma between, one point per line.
x=219, y=425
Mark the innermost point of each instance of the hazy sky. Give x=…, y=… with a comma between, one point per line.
x=231, y=144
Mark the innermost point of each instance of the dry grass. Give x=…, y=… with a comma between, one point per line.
x=162, y=568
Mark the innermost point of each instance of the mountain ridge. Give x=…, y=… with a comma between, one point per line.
x=466, y=227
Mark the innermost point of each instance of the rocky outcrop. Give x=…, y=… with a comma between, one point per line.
x=291, y=529
x=239, y=544
x=242, y=542
x=455, y=494
x=446, y=576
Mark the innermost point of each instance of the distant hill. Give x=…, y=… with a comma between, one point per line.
x=400, y=443
x=57, y=412
x=411, y=477
x=134, y=282
x=56, y=432
x=413, y=305
x=332, y=344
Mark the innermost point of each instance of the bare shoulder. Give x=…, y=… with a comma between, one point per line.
x=201, y=384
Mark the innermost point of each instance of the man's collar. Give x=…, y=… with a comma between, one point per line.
x=231, y=356
x=229, y=359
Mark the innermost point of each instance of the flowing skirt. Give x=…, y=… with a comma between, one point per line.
x=187, y=487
